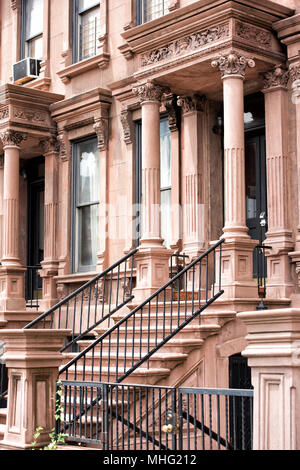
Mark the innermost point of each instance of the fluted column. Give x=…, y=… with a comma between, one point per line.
x=50, y=262
x=237, y=265
x=11, y=272
x=152, y=268
x=279, y=234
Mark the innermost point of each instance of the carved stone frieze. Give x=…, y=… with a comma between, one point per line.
x=101, y=129
x=12, y=138
x=4, y=113
x=183, y=45
x=29, y=115
x=150, y=91
x=233, y=64
x=126, y=120
x=194, y=103
x=253, y=34
x=278, y=76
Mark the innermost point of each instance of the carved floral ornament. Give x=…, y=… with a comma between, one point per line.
x=233, y=64
x=294, y=72
x=126, y=121
x=51, y=144
x=279, y=76
x=194, y=103
x=101, y=129
x=12, y=138
x=150, y=91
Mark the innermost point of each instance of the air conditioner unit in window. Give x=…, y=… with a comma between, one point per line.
x=26, y=70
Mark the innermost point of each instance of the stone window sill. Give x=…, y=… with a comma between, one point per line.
x=99, y=60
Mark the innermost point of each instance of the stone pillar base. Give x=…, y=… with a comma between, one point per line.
x=33, y=358
x=273, y=353
x=47, y=274
x=152, y=270
x=12, y=283
x=237, y=269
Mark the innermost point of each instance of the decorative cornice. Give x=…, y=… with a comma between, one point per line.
x=186, y=44
x=170, y=102
x=150, y=91
x=194, y=103
x=12, y=138
x=101, y=129
x=277, y=77
x=126, y=120
x=233, y=64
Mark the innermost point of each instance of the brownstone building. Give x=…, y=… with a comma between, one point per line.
x=149, y=203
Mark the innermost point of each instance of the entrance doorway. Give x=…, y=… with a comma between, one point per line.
x=255, y=174
x=35, y=170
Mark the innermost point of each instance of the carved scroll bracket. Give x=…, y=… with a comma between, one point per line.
x=233, y=64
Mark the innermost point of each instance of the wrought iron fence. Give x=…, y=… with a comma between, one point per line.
x=136, y=337
x=147, y=417
x=93, y=303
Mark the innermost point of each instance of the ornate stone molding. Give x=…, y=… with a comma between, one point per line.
x=170, y=102
x=126, y=120
x=150, y=91
x=4, y=113
x=101, y=129
x=15, y=4
x=277, y=77
x=30, y=115
x=12, y=138
x=233, y=64
x=194, y=103
x=63, y=143
x=253, y=34
x=185, y=44
x=294, y=72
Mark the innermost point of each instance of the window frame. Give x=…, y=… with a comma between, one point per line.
x=25, y=40
x=76, y=36
x=141, y=16
x=75, y=226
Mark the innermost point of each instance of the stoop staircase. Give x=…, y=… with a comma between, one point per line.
x=116, y=342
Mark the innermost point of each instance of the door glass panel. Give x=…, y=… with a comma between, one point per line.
x=250, y=166
x=165, y=181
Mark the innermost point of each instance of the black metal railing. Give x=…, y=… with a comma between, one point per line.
x=93, y=303
x=136, y=337
x=33, y=287
x=3, y=377
x=151, y=417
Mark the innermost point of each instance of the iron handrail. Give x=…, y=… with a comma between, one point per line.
x=133, y=315
x=46, y=320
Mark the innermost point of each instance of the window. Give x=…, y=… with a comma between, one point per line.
x=86, y=29
x=148, y=10
x=165, y=180
x=86, y=189
x=32, y=29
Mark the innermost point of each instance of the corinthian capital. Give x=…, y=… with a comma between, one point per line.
x=150, y=92
x=194, y=103
x=233, y=64
x=278, y=76
x=294, y=72
x=12, y=138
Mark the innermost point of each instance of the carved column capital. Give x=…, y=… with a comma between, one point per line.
x=294, y=72
x=150, y=91
x=126, y=121
x=12, y=138
x=277, y=77
x=170, y=102
x=101, y=129
x=233, y=64
x=50, y=145
x=194, y=103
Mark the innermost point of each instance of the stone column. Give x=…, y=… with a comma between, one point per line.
x=33, y=358
x=192, y=161
x=273, y=353
x=153, y=257
x=237, y=264
x=279, y=234
x=11, y=271
x=50, y=262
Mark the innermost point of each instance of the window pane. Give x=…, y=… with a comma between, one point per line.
x=33, y=18
x=88, y=184
x=35, y=48
x=165, y=154
x=166, y=221
x=86, y=4
x=89, y=31
x=154, y=9
x=88, y=219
